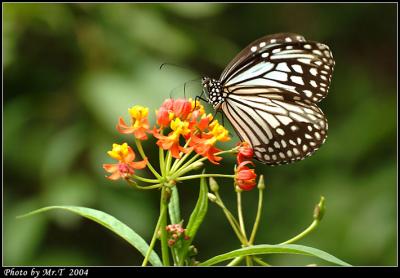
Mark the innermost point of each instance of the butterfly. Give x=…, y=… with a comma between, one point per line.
x=269, y=93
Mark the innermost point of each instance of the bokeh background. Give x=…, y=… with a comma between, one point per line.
x=70, y=70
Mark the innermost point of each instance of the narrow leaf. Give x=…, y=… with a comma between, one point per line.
x=199, y=212
x=196, y=218
x=271, y=249
x=110, y=223
x=173, y=206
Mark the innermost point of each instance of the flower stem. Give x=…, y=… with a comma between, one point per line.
x=163, y=213
x=142, y=154
x=168, y=163
x=231, y=219
x=162, y=162
x=249, y=261
x=146, y=180
x=235, y=261
x=135, y=185
x=310, y=228
x=258, y=216
x=260, y=261
x=204, y=176
x=153, y=240
x=186, y=165
x=240, y=213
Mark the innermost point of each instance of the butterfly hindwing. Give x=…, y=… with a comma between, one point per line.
x=281, y=131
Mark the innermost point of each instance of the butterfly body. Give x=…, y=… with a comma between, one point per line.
x=269, y=92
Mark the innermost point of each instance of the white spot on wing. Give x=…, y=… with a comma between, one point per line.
x=283, y=119
x=276, y=76
x=283, y=67
x=313, y=71
x=297, y=80
x=313, y=83
x=297, y=68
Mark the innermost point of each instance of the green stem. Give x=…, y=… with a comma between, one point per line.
x=168, y=163
x=162, y=162
x=135, y=185
x=249, y=261
x=142, y=154
x=146, y=180
x=235, y=261
x=258, y=216
x=187, y=164
x=231, y=219
x=240, y=213
x=153, y=240
x=310, y=228
x=204, y=176
x=260, y=261
x=164, y=242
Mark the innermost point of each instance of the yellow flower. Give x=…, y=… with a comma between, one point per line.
x=119, y=152
x=125, y=166
x=139, y=122
x=219, y=132
x=180, y=127
x=138, y=113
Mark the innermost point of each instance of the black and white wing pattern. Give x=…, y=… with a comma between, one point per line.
x=270, y=92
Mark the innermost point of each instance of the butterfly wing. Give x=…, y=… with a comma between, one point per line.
x=263, y=43
x=302, y=68
x=280, y=129
x=271, y=89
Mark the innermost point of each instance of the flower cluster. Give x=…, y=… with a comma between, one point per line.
x=187, y=119
x=175, y=233
x=182, y=128
x=245, y=177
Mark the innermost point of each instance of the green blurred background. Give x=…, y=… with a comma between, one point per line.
x=70, y=70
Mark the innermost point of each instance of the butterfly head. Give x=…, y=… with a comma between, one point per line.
x=213, y=89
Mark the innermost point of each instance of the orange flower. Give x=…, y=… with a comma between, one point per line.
x=171, y=109
x=182, y=108
x=165, y=114
x=125, y=166
x=245, y=152
x=245, y=177
x=204, y=142
x=171, y=142
x=139, y=123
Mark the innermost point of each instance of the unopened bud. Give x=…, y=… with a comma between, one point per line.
x=197, y=165
x=192, y=251
x=212, y=197
x=261, y=183
x=319, y=210
x=171, y=242
x=213, y=185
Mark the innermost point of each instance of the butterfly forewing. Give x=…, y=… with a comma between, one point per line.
x=303, y=68
x=254, y=49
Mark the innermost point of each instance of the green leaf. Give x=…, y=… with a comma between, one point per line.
x=173, y=206
x=110, y=223
x=199, y=212
x=271, y=249
x=196, y=218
